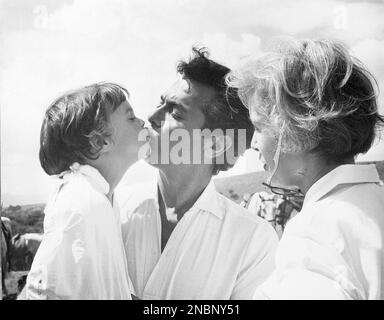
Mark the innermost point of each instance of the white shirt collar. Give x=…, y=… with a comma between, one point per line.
x=91, y=173
x=208, y=200
x=342, y=175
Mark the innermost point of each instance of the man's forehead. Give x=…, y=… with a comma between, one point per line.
x=181, y=86
x=187, y=88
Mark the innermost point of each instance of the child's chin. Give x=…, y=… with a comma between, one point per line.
x=144, y=151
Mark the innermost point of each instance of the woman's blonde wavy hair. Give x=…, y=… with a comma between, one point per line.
x=315, y=94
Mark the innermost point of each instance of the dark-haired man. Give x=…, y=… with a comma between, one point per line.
x=184, y=240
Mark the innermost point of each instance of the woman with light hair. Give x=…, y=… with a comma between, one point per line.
x=314, y=108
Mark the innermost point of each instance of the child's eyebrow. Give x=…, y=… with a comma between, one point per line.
x=128, y=110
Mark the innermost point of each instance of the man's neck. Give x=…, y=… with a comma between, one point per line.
x=181, y=188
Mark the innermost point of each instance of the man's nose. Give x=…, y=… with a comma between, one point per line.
x=147, y=123
x=156, y=117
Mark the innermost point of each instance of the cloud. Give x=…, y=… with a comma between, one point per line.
x=50, y=48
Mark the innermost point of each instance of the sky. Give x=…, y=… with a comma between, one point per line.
x=48, y=47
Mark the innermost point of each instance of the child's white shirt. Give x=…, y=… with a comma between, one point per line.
x=82, y=254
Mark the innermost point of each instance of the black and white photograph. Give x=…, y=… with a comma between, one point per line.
x=192, y=150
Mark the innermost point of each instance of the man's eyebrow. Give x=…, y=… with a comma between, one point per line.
x=177, y=105
x=171, y=101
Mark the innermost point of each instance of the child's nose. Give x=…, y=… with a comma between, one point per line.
x=141, y=122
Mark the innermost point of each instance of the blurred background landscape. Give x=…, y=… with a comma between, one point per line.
x=29, y=218
x=49, y=47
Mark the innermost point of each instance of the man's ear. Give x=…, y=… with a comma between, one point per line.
x=217, y=146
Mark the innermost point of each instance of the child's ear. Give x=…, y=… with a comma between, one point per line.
x=106, y=144
x=100, y=143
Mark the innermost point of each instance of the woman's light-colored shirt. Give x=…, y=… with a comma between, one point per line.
x=333, y=249
x=81, y=255
x=218, y=250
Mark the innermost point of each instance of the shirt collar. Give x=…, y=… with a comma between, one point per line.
x=348, y=174
x=91, y=173
x=208, y=200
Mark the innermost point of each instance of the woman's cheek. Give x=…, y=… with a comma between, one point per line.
x=267, y=149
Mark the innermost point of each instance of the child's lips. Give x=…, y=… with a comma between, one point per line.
x=145, y=150
x=148, y=134
x=151, y=133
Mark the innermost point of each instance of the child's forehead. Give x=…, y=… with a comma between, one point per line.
x=125, y=107
x=122, y=109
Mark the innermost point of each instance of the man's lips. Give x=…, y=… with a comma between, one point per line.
x=154, y=126
x=151, y=133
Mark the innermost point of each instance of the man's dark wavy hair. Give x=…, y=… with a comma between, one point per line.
x=225, y=111
x=75, y=124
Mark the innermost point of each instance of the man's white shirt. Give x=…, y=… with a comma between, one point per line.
x=333, y=249
x=218, y=250
x=81, y=255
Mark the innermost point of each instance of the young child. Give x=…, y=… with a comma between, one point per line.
x=89, y=138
